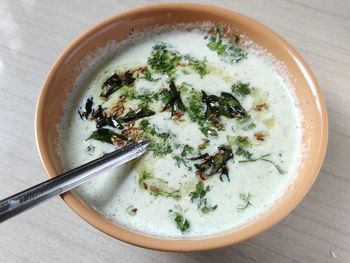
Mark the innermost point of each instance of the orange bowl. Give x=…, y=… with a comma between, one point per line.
x=69, y=65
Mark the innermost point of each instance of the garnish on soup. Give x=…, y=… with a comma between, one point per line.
x=222, y=124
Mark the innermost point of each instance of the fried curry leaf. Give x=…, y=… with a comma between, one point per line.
x=230, y=107
x=212, y=113
x=88, y=109
x=115, y=82
x=225, y=105
x=216, y=163
x=175, y=101
x=135, y=115
x=111, y=85
x=101, y=120
x=106, y=135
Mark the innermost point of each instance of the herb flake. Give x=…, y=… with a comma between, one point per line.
x=263, y=158
x=198, y=196
x=246, y=198
x=181, y=222
x=163, y=59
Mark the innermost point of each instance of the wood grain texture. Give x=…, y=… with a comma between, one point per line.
x=33, y=33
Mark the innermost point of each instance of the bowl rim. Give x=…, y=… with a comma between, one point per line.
x=194, y=244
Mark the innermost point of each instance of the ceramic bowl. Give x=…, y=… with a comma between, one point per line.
x=70, y=64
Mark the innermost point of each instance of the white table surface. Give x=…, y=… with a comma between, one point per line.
x=33, y=33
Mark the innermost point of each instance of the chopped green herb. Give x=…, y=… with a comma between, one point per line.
x=229, y=52
x=242, y=152
x=90, y=149
x=199, y=66
x=163, y=95
x=184, y=87
x=242, y=141
x=198, y=196
x=246, y=197
x=186, y=150
x=144, y=123
x=147, y=75
x=199, y=193
x=106, y=135
x=246, y=123
x=249, y=126
x=215, y=41
x=196, y=113
x=263, y=158
x=206, y=208
x=242, y=89
x=234, y=53
x=128, y=92
x=230, y=140
x=160, y=149
x=146, y=97
x=181, y=158
x=163, y=59
x=194, y=108
x=148, y=130
x=182, y=223
x=217, y=46
x=204, y=145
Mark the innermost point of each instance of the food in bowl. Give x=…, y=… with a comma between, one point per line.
x=222, y=118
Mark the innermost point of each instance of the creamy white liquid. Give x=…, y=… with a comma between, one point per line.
x=112, y=193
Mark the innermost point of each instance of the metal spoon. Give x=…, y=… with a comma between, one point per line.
x=17, y=203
